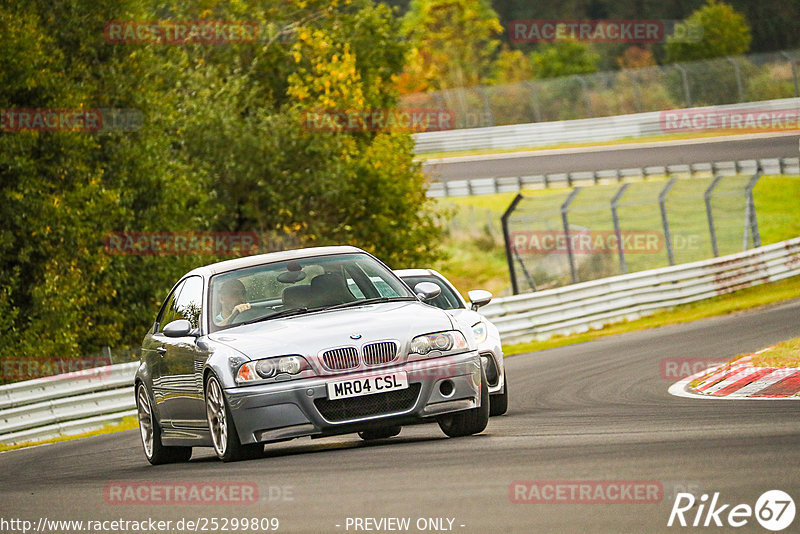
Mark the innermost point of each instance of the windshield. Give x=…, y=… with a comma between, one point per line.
x=447, y=299
x=298, y=286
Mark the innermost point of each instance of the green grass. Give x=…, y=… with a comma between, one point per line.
x=127, y=423
x=744, y=299
x=784, y=354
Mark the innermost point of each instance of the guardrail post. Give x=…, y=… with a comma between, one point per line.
x=710, y=216
x=623, y=268
x=750, y=221
x=509, y=251
x=662, y=198
x=565, y=222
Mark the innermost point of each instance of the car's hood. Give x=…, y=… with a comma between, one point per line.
x=311, y=333
x=465, y=316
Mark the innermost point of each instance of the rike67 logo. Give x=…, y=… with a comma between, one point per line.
x=774, y=510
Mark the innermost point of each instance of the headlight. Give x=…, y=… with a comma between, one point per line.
x=270, y=368
x=449, y=341
x=479, y=332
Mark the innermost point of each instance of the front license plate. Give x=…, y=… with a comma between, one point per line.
x=368, y=385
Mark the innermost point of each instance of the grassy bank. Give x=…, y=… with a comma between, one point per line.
x=745, y=299
x=784, y=354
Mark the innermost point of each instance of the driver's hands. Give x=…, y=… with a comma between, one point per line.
x=239, y=308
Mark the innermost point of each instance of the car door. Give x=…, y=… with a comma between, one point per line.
x=181, y=381
x=154, y=348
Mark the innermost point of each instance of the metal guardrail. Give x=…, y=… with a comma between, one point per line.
x=510, y=184
x=66, y=404
x=78, y=402
x=587, y=305
x=597, y=129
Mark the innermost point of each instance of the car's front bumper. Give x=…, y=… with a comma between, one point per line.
x=495, y=370
x=271, y=412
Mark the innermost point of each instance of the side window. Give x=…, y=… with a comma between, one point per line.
x=188, y=305
x=168, y=313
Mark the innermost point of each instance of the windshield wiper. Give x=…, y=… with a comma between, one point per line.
x=375, y=300
x=276, y=315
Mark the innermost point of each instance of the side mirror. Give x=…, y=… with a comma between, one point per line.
x=178, y=328
x=427, y=290
x=478, y=298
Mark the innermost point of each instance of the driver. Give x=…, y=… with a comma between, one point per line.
x=233, y=301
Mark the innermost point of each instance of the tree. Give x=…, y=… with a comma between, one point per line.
x=552, y=60
x=222, y=147
x=454, y=42
x=725, y=33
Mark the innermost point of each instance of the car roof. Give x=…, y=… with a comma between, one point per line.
x=271, y=257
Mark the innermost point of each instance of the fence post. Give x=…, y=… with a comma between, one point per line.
x=623, y=268
x=794, y=72
x=738, y=73
x=685, y=80
x=487, y=107
x=537, y=111
x=565, y=222
x=662, y=197
x=507, y=239
x=710, y=216
x=586, y=97
x=750, y=221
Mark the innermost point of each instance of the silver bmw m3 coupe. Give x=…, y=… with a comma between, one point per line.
x=312, y=342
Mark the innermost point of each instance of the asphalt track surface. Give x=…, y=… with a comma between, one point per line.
x=760, y=146
x=593, y=411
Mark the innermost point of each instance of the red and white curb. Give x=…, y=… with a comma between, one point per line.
x=741, y=380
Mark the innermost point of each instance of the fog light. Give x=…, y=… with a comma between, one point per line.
x=446, y=388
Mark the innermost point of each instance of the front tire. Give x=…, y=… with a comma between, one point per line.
x=471, y=421
x=223, y=431
x=150, y=432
